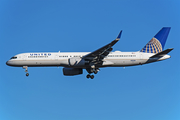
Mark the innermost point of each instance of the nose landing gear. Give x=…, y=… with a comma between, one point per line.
x=26, y=70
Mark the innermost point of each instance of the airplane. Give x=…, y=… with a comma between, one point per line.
x=75, y=62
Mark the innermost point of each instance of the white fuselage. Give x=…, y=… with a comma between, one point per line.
x=75, y=62
x=114, y=59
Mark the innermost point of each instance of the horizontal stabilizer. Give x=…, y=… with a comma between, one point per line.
x=161, y=54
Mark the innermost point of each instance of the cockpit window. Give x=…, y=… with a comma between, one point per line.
x=14, y=57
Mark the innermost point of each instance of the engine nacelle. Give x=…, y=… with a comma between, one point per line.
x=76, y=61
x=72, y=71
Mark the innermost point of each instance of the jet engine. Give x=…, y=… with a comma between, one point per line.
x=72, y=71
x=76, y=61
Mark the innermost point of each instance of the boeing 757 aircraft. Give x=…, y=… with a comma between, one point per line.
x=75, y=62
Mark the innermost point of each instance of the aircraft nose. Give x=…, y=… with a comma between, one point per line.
x=8, y=63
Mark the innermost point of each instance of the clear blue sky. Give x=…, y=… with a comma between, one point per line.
x=147, y=92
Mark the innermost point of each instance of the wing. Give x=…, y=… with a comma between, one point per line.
x=98, y=55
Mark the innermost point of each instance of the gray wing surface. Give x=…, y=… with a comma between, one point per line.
x=98, y=55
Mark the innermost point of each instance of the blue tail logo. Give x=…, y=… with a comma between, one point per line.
x=156, y=44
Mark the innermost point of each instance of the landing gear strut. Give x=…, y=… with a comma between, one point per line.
x=26, y=70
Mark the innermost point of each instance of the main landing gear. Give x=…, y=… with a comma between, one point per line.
x=92, y=70
x=26, y=70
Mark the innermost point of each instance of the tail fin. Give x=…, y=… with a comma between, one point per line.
x=156, y=44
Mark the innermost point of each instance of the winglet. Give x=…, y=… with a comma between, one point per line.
x=118, y=37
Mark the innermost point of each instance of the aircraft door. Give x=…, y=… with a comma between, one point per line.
x=24, y=57
x=141, y=59
x=141, y=56
x=56, y=57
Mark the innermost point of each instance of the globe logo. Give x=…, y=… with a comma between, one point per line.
x=153, y=46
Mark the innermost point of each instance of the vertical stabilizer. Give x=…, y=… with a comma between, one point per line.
x=156, y=44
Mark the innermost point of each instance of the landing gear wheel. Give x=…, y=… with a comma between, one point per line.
x=27, y=74
x=92, y=76
x=88, y=76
